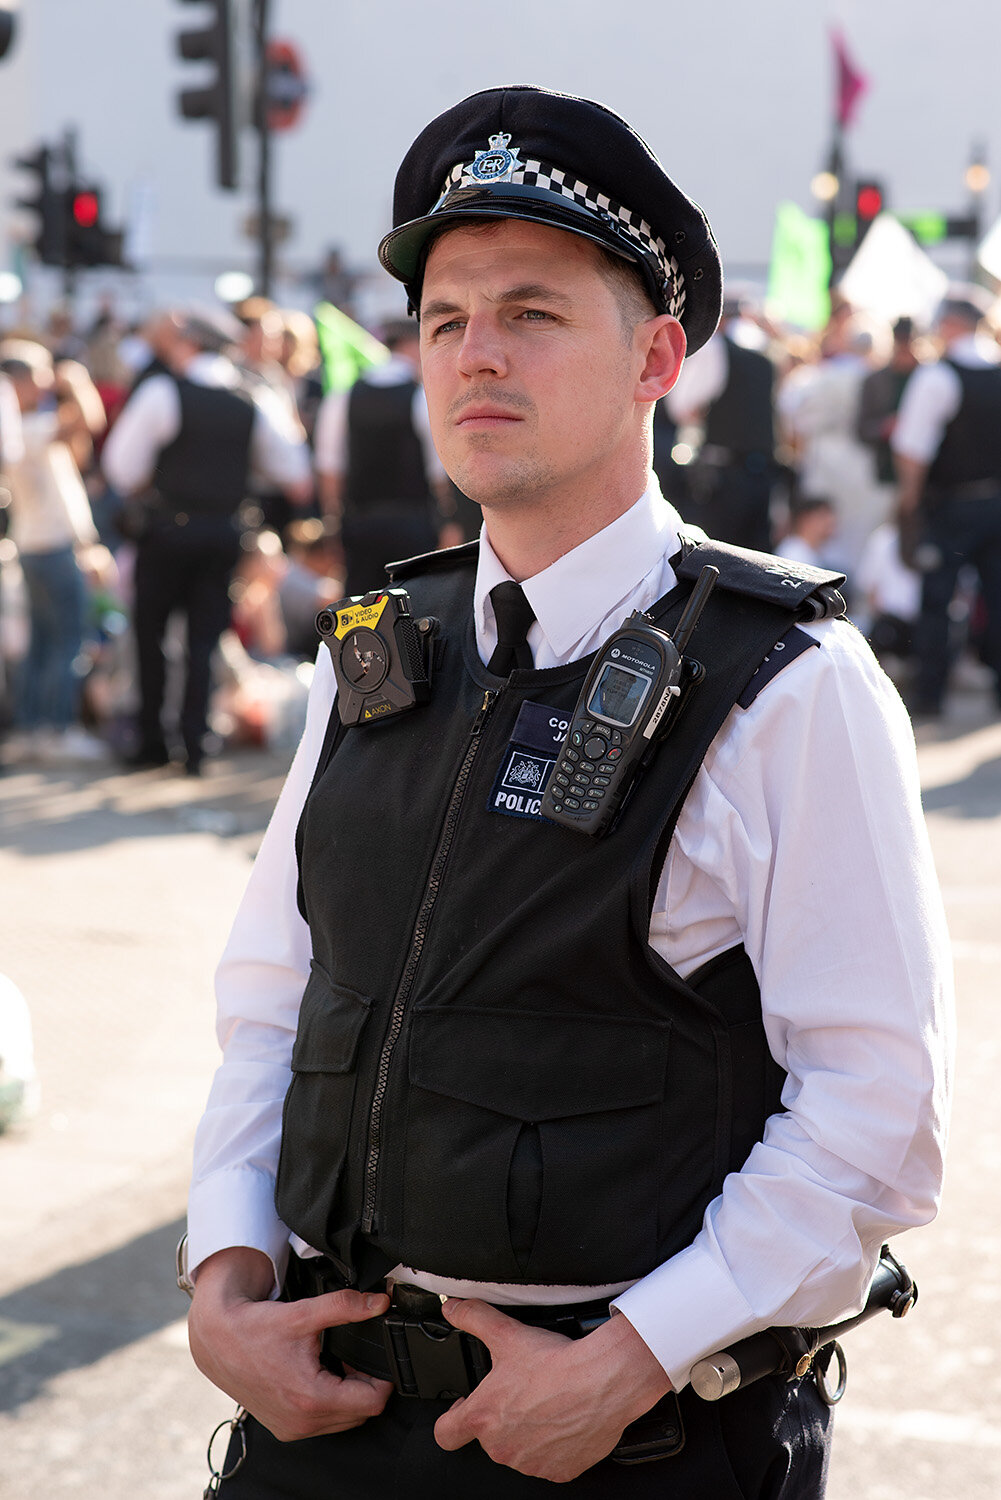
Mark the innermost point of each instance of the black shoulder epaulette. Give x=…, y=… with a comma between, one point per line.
x=807, y=592
x=445, y=557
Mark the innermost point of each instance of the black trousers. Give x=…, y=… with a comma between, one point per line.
x=769, y=1442
x=960, y=531
x=183, y=568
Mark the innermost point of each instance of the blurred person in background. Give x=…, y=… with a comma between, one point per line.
x=11, y=452
x=312, y=580
x=53, y=529
x=947, y=446
x=879, y=399
x=889, y=599
x=61, y=336
x=727, y=389
x=260, y=359
x=813, y=526
x=820, y=412
x=377, y=468
x=189, y=441
x=82, y=418
x=300, y=359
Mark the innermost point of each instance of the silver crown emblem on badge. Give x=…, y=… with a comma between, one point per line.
x=497, y=162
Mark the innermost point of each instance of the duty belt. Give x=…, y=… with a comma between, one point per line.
x=416, y=1348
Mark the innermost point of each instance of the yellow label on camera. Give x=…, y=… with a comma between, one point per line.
x=367, y=615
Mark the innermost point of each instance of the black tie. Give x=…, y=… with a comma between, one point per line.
x=514, y=615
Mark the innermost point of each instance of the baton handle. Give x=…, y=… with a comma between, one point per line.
x=791, y=1350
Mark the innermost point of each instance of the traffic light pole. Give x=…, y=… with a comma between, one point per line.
x=265, y=223
x=69, y=162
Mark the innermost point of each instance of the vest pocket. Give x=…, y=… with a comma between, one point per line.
x=317, y=1113
x=534, y=1148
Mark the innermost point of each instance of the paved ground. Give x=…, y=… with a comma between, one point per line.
x=117, y=896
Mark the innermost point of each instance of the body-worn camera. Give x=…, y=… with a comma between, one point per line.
x=629, y=701
x=381, y=655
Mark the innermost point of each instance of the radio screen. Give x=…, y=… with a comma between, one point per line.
x=618, y=695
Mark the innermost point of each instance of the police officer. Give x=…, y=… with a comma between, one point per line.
x=376, y=463
x=589, y=1108
x=187, y=442
x=728, y=389
x=947, y=445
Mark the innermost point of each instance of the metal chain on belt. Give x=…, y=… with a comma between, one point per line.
x=236, y=1423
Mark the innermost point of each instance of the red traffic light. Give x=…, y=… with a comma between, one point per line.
x=86, y=209
x=869, y=201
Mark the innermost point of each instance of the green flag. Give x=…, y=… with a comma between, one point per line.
x=346, y=348
x=799, y=275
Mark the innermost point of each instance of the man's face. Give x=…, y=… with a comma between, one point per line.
x=530, y=376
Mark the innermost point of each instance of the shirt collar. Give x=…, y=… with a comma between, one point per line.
x=574, y=594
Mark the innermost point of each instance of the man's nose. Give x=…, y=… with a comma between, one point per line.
x=482, y=350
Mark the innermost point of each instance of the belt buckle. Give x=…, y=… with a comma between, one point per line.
x=427, y=1357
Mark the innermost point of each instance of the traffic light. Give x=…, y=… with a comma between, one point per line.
x=47, y=205
x=89, y=241
x=217, y=99
x=870, y=201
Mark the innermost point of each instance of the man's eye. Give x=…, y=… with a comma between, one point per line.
x=448, y=327
x=536, y=315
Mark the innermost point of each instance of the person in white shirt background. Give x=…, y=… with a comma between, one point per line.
x=190, y=536
x=53, y=530
x=947, y=447
x=801, y=838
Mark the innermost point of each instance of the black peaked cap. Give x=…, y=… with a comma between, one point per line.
x=530, y=153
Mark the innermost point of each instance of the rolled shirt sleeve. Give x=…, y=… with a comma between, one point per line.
x=806, y=821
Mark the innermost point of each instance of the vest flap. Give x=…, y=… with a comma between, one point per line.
x=778, y=580
x=331, y=1018
x=538, y=1065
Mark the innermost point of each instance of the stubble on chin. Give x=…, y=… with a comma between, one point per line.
x=502, y=482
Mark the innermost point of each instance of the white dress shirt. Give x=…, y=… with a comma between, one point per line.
x=932, y=397
x=151, y=418
x=802, y=837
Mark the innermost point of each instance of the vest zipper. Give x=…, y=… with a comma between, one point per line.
x=406, y=984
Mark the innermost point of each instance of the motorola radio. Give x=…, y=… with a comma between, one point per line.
x=381, y=655
x=634, y=691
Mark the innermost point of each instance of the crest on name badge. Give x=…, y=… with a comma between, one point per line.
x=496, y=163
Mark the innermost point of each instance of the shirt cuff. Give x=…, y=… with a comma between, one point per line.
x=686, y=1309
x=236, y=1207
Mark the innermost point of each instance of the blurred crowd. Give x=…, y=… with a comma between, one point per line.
x=178, y=500
x=177, y=503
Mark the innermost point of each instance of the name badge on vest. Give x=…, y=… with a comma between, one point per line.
x=528, y=760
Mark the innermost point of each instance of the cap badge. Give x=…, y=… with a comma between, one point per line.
x=496, y=163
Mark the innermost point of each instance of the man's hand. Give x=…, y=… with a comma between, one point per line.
x=551, y=1406
x=266, y=1354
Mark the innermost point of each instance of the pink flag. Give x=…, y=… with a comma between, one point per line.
x=851, y=84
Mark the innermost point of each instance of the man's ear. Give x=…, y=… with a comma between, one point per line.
x=663, y=342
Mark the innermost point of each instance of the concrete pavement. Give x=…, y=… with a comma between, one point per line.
x=118, y=892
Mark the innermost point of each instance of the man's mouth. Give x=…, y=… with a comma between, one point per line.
x=486, y=416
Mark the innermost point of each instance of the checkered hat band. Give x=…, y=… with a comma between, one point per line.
x=567, y=185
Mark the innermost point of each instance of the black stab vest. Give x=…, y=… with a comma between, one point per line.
x=385, y=461
x=741, y=418
x=970, y=450
x=203, y=471
x=495, y=1077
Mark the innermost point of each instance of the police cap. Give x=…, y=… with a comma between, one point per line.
x=529, y=153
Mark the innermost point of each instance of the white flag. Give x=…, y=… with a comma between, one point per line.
x=989, y=253
x=891, y=277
